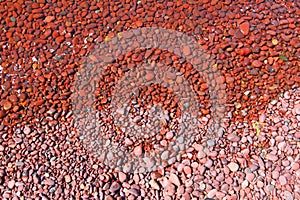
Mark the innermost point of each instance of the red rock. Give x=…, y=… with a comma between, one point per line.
x=59, y=39
x=256, y=63
x=139, y=23
x=7, y=105
x=39, y=102
x=47, y=33
x=2, y=113
x=245, y=51
x=84, y=5
x=49, y=19
x=244, y=27
x=37, y=16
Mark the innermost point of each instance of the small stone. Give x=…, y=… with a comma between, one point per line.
x=282, y=180
x=275, y=42
x=245, y=51
x=174, y=179
x=11, y=184
x=49, y=19
x=49, y=181
x=27, y=130
x=233, y=166
x=295, y=166
x=244, y=28
x=256, y=63
x=262, y=118
x=68, y=178
x=114, y=187
x=186, y=50
x=212, y=193
x=275, y=174
x=287, y=195
x=122, y=177
x=250, y=177
x=233, y=138
x=59, y=39
x=7, y=105
x=138, y=150
x=12, y=19
x=2, y=113
x=149, y=75
x=297, y=109
x=271, y=157
x=208, y=164
x=260, y=184
x=154, y=184
x=270, y=187
x=1, y=148
x=211, y=142
x=245, y=184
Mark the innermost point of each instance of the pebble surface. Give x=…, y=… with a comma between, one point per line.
x=255, y=46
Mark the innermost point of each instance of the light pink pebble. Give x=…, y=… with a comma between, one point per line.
x=208, y=163
x=262, y=117
x=260, y=184
x=234, y=167
x=201, y=169
x=285, y=163
x=281, y=146
x=295, y=166
x=233, y=138
x=297, y=134
x=27, y=130
x=138, y=150
x=128, y=142
x=122, y=177
x=245, y=184
x=187, y=170
x=250, y=177
x=11, y=184
x=279, y=138
x=271, y=157
x=174, y=179
x=275, y=175
x=297, y=109
x=282, y=180
x=276, y=119
x=225, y=187
x=220, y=195
x=198, y=147
x=212, y=193
x=285, y=128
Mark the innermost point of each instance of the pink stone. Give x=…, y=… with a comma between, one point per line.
x=11, y=184
x=122, y=177
x=271, y=157
x=212, y=193
x=174, y=179
x=262, y=117
x=282, y=180
x=250, y=177
x=138, y=150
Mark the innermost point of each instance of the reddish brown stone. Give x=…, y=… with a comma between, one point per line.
x=244, y=27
